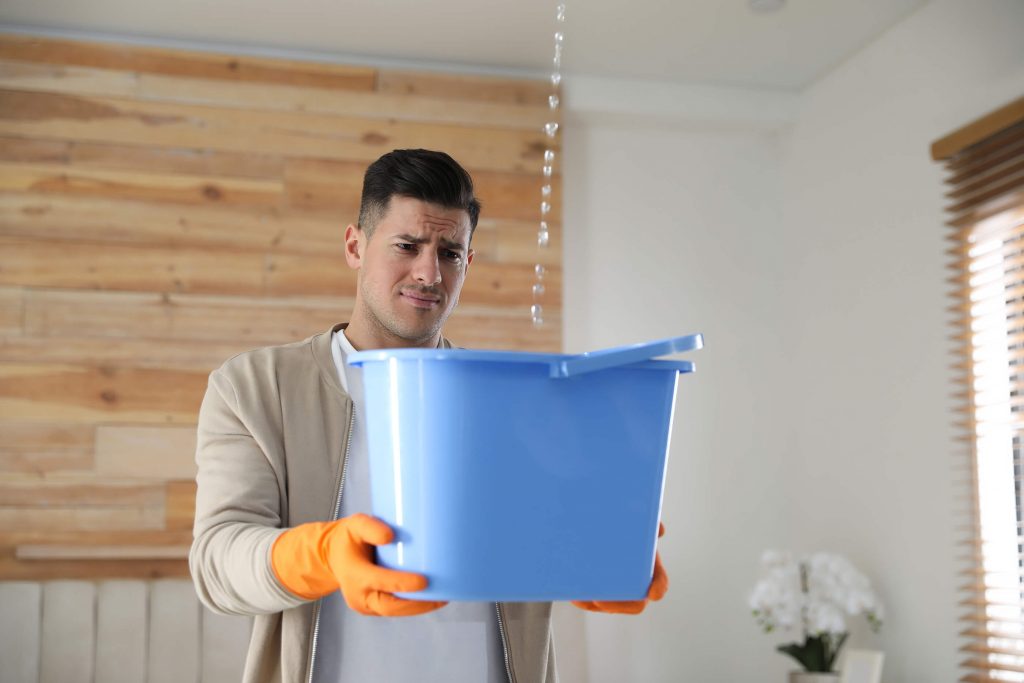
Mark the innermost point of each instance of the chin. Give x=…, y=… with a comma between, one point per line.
x=417, y=333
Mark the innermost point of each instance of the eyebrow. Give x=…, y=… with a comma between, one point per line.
x=446, y=243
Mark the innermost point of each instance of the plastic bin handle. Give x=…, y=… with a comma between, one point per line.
x=624, y=355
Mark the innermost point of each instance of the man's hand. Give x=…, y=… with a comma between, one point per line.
x=315, y=559
x=656, y=591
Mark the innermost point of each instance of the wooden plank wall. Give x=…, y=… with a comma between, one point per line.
x=160, y=211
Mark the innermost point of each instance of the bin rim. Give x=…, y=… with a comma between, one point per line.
x=548, y=360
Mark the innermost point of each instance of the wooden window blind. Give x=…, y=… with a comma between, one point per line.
x=985, y=163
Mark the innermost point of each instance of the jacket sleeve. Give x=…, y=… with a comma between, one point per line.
x=238, y=512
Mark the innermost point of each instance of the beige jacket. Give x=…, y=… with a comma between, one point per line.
x=273, y=429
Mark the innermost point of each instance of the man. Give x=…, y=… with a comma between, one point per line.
x=281, y=531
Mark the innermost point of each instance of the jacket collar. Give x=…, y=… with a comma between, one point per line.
x=321, y=347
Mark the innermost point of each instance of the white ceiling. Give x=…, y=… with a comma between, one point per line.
x=720, y=42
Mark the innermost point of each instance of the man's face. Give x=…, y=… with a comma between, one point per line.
x=410, y=272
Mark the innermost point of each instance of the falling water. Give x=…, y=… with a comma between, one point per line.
x=548, y=169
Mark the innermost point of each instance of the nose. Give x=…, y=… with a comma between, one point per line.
x=426, y=269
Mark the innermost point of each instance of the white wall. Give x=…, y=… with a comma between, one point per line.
x=862, y=215
x=672, y=230
x=811, y=258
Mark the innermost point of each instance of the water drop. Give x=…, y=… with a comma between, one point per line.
x=542, y=238
x=560, y=12
x=553, y=101
x=539, y=270
x=537, y=314
x=550, y=129
x=547, y=170
x=538, y=290
x=549, y=156
x=545, y=191
x=556, y=78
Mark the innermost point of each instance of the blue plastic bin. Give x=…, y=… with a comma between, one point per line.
x=521, y=476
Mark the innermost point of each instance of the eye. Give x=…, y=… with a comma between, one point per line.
x=405, y=246
x=452, y=256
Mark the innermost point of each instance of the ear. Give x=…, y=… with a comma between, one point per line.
x=469, y=258
x=355, y=246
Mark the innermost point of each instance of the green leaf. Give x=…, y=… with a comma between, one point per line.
x=795, y=651
x=836, y=647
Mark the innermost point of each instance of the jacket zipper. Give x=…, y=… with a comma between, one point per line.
x=337, y=512
x=504, y=642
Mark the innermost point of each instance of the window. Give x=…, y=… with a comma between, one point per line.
x=985, y=161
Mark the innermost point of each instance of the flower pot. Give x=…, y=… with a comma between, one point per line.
x=812, y=677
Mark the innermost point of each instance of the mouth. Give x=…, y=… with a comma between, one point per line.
x=421, y=300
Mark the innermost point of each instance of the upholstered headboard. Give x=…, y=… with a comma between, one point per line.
x=114, y=632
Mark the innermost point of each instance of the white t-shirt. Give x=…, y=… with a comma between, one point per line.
x=459, y=643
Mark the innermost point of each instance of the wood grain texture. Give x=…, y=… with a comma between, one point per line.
x=180, y=504
x=26, y=570
x=147, y=452
x=465, y=87
x=12, y=311
x=124, y=120
x=54, y=217
x=164, y=210
x=84, y=265
x=42, y=449
x=201, y=357
x=250, y=321
x=223, y=67
x=29, y=150
x=101, y=552
x=63, y=180
x=23, y=75
x=81, y=493
x=88, y=395
x=431, y=107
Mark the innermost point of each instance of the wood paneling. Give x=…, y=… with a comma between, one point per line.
x=162, y=210
x=134, y=59
x=90, y=266
x=60, y=179
x=53, y=218
x=129, y=121
x=164, y=453
x=42, y=449
x=180, y=504
x=139, y=353
x=465, y=88
x=87, y=394
x=12, y=312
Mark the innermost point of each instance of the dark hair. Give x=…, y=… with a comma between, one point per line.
x=420, y=174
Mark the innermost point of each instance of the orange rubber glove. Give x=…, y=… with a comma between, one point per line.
x=318, y=558
x=656, y=591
